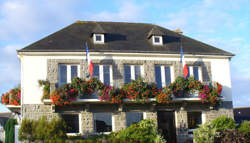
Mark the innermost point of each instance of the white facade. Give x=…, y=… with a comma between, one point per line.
x=34, y=68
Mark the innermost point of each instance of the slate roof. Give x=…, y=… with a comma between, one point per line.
x=120, y=37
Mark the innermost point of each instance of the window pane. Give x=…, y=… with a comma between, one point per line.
x=133, y=117
x=62, y=74
x=167, y=75
x=158, y=76
x=96, y=71
x=137, y=72
x=188, y=71
x=102, y=122
x=127, y=74
x=73, y=72
x=157, y=39
x=194, y=119
x=196, y=73
x=98, y=38
x=72, y=123
x=106, y=75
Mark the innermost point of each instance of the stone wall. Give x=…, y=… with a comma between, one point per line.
x=119, y=121
x=87, y=125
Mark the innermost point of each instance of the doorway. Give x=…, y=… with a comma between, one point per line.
x=166, y=125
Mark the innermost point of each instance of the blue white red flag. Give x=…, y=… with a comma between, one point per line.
x=184, y=65
x=90, y=64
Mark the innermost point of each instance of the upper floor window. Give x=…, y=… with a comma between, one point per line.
x=195, y=71
x=72, y=122
x=163, y=75
x=98, y=38
x=103, y=73
x=133, y=117
x=157, y=40
x=66, y=72
x=102, y=122
x=132, y=72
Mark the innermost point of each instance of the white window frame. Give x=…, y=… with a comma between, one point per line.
x=163, y=79
x=68, y=71
x=191, y=72
x=101, y=76
x=157, y=43
x=98, y=42
x=80, y=125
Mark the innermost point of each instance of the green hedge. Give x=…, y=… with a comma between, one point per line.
x=10, y=131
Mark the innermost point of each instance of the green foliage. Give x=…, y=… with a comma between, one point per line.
x=222, y=123
x=10, y=131
x=179, y=86
x=205, y=133
x=245, y=128
x=46, y=88
x=232, y=136
x=42, y=130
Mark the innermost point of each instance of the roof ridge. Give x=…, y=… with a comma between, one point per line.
x=98, y=22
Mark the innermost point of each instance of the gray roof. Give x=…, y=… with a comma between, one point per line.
x=120, y=37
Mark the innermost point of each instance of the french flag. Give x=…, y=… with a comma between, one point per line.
x=90, y=64
x=184, y=65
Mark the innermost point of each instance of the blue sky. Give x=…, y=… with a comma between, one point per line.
x=221, y=23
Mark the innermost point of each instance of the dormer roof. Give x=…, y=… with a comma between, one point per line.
x=155, y=31
x=98, y=29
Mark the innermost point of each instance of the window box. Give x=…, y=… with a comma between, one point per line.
x=14, y=108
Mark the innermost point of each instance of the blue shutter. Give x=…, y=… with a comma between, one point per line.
x=196, y=73
x=158, y=76
x=106, y=75
x=167, y=75
x=62, y=74
x=127, y=74
x=96, y=71
x=73, y=72
x=188, y=72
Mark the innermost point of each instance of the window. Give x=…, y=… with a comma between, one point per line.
x=102, y=122
x=133, y=117
x=157, y=40
x=103, y=73
x=98, y=38
x=67, y=72
x=72, y=122
x=195, y=71
x=132, y=72
x=194, y=119
x=163, y=75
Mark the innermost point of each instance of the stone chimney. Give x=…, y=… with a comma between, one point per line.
x=178, y=31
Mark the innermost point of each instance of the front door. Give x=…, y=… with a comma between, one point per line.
x=166, y=125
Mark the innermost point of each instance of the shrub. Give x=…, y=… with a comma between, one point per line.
x=42, y=130
x=10, y=130
x=245, y=128
x=222, y=123
x=232, y=136
x=205, y=133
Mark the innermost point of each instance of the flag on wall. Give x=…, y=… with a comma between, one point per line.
x=90, y=64
x=184, y=65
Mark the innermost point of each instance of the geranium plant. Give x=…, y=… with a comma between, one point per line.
x=179, y=87
x=13, y=97
x=210, y=93
x=164, y=96
x=46, y=88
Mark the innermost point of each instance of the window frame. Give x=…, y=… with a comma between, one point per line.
x=68, y=72
x=79, y=123
x=112, y=123
x=160, y=40
x=97, y=41
x=163, y=74
x=132, y=71
x=191, y=71
x=101, y=72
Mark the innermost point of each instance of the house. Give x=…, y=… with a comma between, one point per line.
x=122, y=52
x=241, y=114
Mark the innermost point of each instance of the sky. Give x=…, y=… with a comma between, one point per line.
x=222, y=23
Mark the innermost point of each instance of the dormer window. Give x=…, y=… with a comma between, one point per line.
x=157, y=40
x=98, y=38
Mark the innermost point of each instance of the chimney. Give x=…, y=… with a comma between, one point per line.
x=178, y=31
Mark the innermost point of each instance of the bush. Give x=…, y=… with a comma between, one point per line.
x=10, y=130
x=43, y=130
x=232, y=136
x=245, y=128
x=222, y=123
x=205, y=133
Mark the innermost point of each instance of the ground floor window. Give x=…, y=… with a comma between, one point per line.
x=72, y=122
x=102, y=122
x=194, y=119
x=133, y=117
